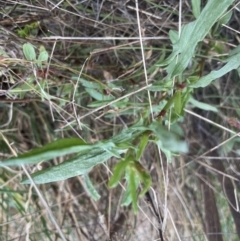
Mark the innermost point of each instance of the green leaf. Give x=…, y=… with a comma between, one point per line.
x=193, y=33
x=185, y=98
x=130, y=195
x=95, y=104
x=173, y=35
x=91, y=190
x=134, y=174
x=97, y=95
x=144, y=176
x=29, y=52
x=23, y=88
x=196, y=7
x=233, y=62
x=129, y=134
x=133, y=189
x=23, y=33
x=226, y=18
x=3, y=53
x=168, y=139
x=141, y=147
x=202, y=105
x=54, y=149
x=167, y=153
x=127, y=198
x=86, y=83
x=118, y=171
x=170, y=102
x=227, y=147
x=178, y=102
x=43, y=57
x=161, y=86
x=108, y=146
x=238, y=152
x=78, y=165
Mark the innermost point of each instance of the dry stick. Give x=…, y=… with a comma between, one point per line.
x=149, y=97
x=211, y=122
x=74, y=93
x=100, y=51
x=160, y=230
x=48, y=66
x=144, y=12
x=166, y=211
x=101, y=38
x=143, y=57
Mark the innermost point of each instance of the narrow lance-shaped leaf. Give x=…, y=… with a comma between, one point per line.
x=127, y=199
x=144, y=176
x=54, y=149
x=185, y=99
x=97, y=95
x=225, y=19
x=192, y=33
x=173, y=35
x=178, y=102
x=196, y=7
x=168, y=140
x=90, y=188
x=170, y=102
x=233, y=62
x=119, y=169
x=75, y=166
x=202, y=105
x=141, y=147
x=133, y=189
x=129, y=134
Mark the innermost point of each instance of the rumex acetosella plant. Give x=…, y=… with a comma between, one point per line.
x=129, y=145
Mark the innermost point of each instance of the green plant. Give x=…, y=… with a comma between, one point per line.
x=28, y=30
x=38, y=63
x=129, y=145
x=131, y=141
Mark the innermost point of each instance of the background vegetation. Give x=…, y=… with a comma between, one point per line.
x=147, y=96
